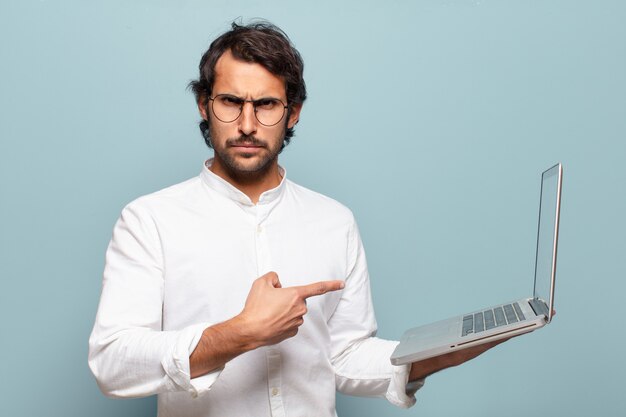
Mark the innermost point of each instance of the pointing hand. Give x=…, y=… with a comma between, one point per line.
x=272, y=313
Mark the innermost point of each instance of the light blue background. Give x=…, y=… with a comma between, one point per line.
x=430, y=119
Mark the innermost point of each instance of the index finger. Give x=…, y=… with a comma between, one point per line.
x=318, y=288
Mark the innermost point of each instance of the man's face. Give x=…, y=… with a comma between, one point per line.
x=245, y=147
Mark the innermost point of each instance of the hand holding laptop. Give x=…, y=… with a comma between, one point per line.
x=427, y=367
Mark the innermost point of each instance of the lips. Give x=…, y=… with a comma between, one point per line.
x=247, y=148
x=246, y=145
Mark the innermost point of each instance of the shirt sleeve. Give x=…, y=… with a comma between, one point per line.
x=361, y=360
x=129, y=353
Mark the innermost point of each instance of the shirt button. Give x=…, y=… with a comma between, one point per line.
x=274, y=392
x=259, y=229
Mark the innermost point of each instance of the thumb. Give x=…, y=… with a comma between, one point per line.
x=272, y=279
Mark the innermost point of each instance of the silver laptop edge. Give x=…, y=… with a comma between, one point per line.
x=558, y=171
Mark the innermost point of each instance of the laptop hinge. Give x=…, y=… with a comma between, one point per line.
x=539, y=307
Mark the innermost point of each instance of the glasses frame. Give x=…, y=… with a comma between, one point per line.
x=254, y=103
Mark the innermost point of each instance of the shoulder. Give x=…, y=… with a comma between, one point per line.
x=319, y=204
x=174, y=197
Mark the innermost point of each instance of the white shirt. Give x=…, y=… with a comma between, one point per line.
x=184, y=258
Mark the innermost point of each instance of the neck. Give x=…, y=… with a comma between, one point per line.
x=252, y=184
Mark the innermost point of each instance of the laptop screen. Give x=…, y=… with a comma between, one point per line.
x=545, y=262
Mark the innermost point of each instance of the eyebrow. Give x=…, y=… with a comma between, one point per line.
x=253, y=99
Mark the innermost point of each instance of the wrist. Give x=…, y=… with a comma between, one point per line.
x=245, y=333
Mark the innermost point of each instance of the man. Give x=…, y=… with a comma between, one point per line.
x=239, y=292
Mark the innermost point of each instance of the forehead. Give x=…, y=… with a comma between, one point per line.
x=246, y=79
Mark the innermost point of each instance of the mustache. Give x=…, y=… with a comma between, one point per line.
x=245, y=140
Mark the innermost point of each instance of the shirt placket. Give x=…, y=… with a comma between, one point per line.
x=272, y=353
x=263, y=260
x=274, y=382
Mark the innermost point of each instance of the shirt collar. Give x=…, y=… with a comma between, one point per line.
x=231, y=192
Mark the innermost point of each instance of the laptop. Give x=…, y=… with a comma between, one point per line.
x=503, y=320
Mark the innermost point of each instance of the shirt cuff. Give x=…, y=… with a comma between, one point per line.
x=400, y=393
x=176, y=364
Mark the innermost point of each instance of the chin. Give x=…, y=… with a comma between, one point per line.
x=250, y=165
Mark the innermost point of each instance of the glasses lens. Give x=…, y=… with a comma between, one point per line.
x=226, y=108
x=269, y=111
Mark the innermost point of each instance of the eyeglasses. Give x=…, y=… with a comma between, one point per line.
x=227, y=109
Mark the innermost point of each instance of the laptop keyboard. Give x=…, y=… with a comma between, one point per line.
x=489, y=319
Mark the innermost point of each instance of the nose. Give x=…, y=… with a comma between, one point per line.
x=247, y=119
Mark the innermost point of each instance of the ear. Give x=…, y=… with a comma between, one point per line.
x=294, y=116
x=202, y=108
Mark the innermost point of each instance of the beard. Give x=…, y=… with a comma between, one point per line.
x=243, y=165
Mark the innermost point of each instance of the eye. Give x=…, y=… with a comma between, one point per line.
x=267, y=104
x=230, y=101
